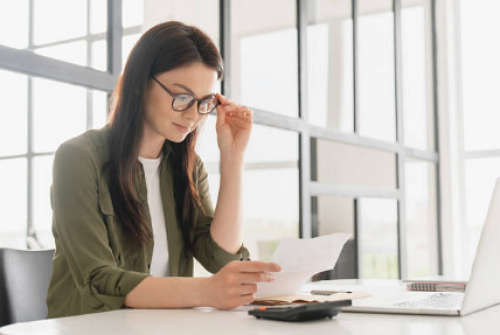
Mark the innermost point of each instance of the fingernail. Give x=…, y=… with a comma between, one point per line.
x=269, y=276
x=227, y=107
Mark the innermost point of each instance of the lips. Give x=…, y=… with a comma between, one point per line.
x=181, y=128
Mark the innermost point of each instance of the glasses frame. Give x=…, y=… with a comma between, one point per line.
x=199, y=101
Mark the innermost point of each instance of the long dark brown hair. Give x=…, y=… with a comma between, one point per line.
x=164, y=47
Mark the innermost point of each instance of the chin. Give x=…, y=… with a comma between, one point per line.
x=176, y=139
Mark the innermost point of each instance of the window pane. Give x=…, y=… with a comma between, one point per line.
x=378, y=238
x=133, y=13
x=346, y=165
x=70, y=43
x=42, y=215
x=270, y=190
x=14, y=24
x=264, y=55
x=128, y=43
x=13, y=203
x=376, y=84
x=75, y=52
x=330, y=65
x=98, y=16
x=330, y=215
x=59, y=113
x=99, y=55
x=417, y=74
x=480, y=72
x=58, y=20
x=13, y=113
x=99, y=109
x=481, y=175
x=421, y=218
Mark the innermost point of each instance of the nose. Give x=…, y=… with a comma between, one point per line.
x=192, y=112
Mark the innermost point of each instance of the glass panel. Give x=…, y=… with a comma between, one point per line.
x=133, y=13
x=378, y=238
x=42, y=214
x=421, y=218
x=344, y=164
x=51, y=15
x=480, y=72
x=376, y=84
x=13, y=203
x=330, y=65
x=59, y=111
x=14, y=24
x=98, y=16
x=205, y=17
x=128, y=43
x=70, y=43
x=333, y=214
x=481, y=175
x=74, y=52
x=99, y=55
x=13, y=113
x=417, y=74
x=264, y=55
x=270, y=190
x=99, y=109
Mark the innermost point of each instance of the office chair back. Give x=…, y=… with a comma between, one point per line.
x=24, y=280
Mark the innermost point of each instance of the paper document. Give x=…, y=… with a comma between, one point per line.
x=300, y=259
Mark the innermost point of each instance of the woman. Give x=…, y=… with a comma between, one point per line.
x=131, y=202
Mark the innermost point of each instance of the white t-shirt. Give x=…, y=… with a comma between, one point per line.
x=160, y=263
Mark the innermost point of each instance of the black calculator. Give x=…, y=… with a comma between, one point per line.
x=302, y=312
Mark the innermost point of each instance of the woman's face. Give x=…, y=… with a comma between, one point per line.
x=160, y=118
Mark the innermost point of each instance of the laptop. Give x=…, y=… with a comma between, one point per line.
x=482, y=290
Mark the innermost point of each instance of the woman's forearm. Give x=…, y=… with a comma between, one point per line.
x=170, y=292
x=227, y=225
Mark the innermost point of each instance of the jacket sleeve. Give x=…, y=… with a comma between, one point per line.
x=82, y=233
x=206, y=250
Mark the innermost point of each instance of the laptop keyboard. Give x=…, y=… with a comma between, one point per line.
x=438, y=300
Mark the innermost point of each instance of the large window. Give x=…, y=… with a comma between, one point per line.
x=344, y=129
x=480, y=150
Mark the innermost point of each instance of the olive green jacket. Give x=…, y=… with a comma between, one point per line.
x=94, y=267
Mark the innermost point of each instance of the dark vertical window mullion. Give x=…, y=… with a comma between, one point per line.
x=354, y=14
x=225, y=42
x=305, y=213
x=402, y=245
x=89, y=62
x=436, y=135
x=30, y=231
x=355, y=63
x=114, y=37
x=225, y=46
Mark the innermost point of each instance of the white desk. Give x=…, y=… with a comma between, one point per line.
x=211, y=321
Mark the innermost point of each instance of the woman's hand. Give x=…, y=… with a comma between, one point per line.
x=234, y=123
x=235, y=284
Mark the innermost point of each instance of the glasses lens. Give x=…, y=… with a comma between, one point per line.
x=208, y=105
x=182, y=102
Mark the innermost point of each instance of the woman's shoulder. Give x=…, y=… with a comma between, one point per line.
x=90, y=145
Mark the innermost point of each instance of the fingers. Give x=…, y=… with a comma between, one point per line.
x=232, y=109
x=247, y=299
x=254, y=277
x=257, y=266
x=248, y=289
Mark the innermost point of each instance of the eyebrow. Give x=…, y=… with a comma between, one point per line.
x=211, y=95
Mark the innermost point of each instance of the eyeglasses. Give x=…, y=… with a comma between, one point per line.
x=183, y=101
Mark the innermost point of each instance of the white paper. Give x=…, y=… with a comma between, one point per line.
x=300, y=259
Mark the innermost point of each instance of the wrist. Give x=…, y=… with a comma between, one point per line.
x=203, y=289
x=231, y=158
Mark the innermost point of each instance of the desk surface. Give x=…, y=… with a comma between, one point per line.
x=213, y=321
